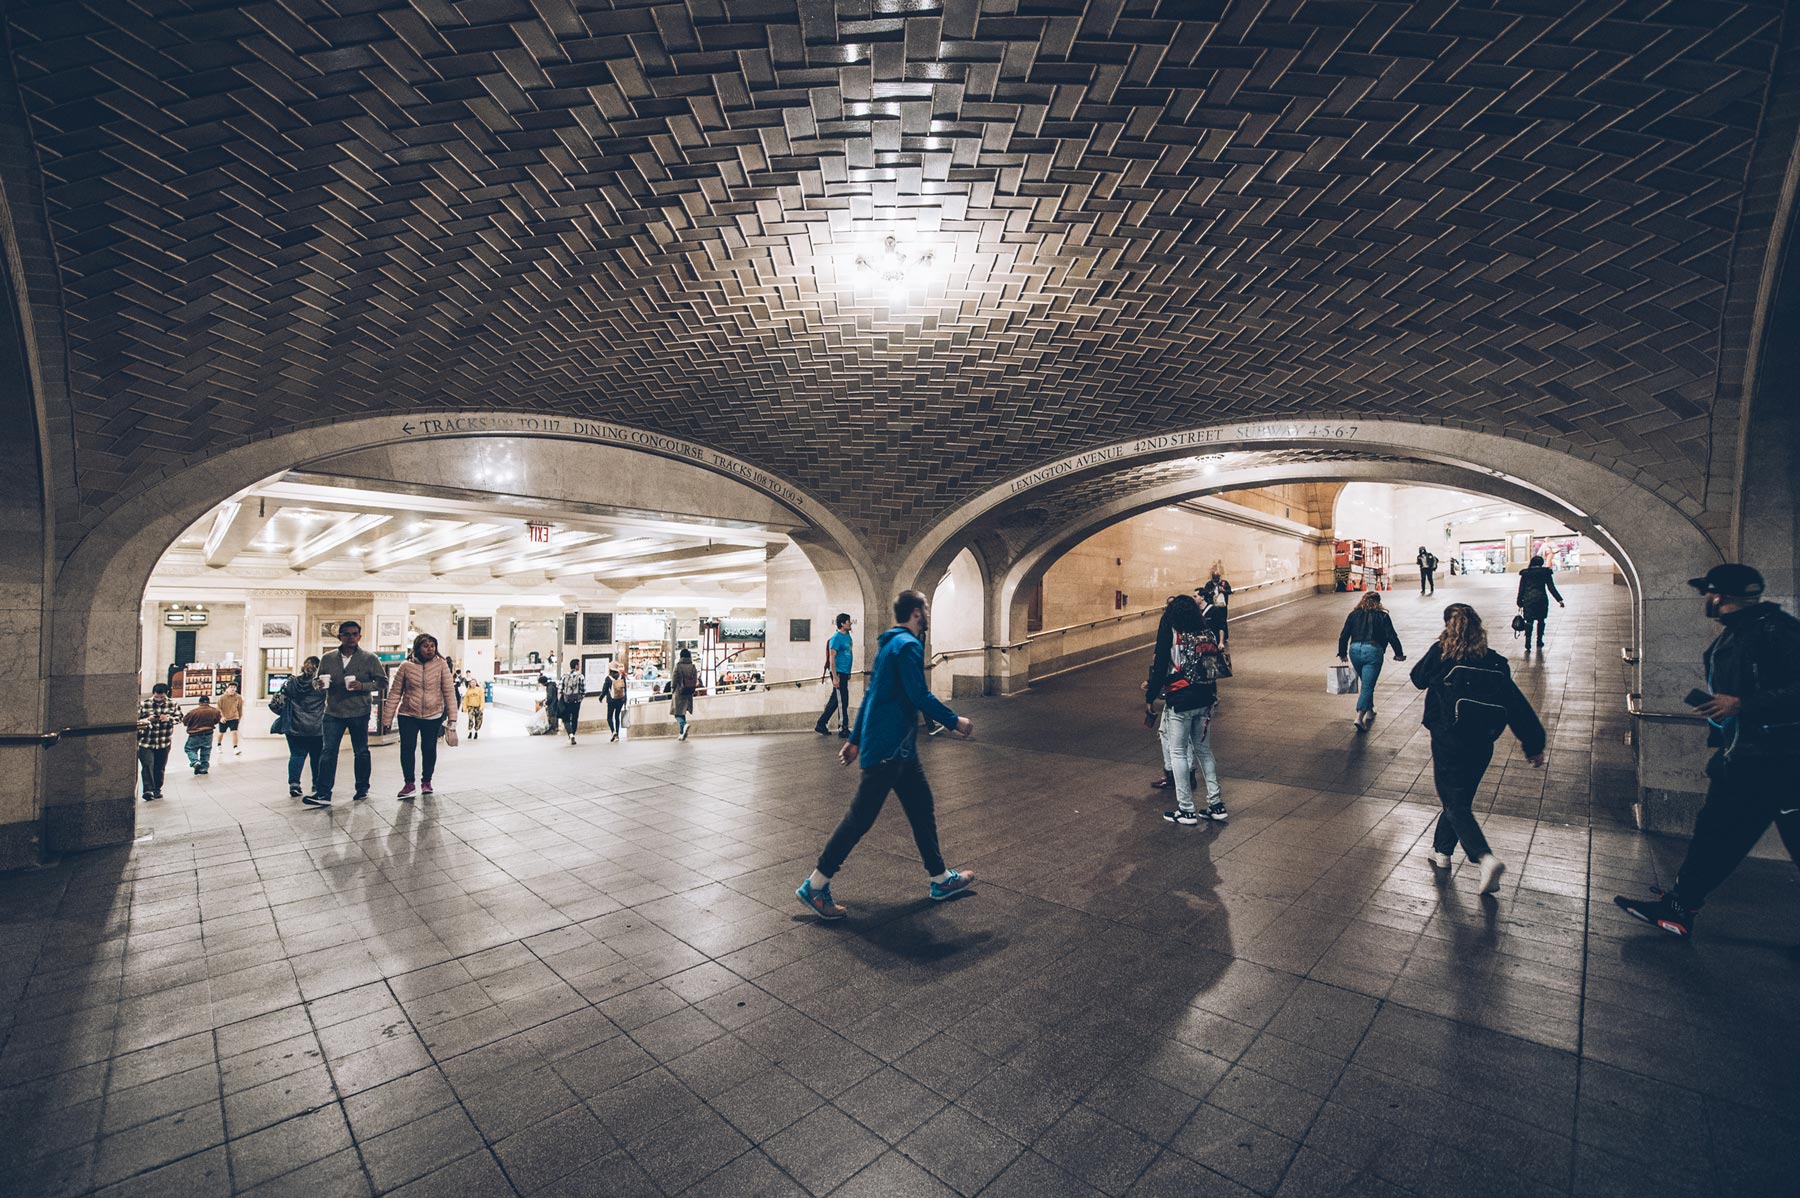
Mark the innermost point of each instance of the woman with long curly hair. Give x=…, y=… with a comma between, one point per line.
x=1470, y=699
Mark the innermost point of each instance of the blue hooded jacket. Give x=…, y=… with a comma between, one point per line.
x=888, y=721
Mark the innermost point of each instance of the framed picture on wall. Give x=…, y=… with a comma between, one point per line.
x=276, y=632
x=328, y=630
x=389, y=630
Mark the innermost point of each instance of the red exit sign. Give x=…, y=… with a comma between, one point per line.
x=540, y=533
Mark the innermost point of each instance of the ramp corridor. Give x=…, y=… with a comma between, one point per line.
x=581, y=970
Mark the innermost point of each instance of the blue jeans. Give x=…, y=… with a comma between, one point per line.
x=1188, y=735
x=335, y=727
x=302, y=750
x=199, y=750
x=1368, y=660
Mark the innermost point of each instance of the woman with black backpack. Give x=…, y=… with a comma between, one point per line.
x=1470, y=699
x=1181, y=674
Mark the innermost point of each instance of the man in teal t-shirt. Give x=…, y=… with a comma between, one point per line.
x=840, y=660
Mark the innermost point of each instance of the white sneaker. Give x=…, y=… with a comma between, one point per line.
x=237, y=752
x=684, y=734
x=1441, y=860
x=1491, y=869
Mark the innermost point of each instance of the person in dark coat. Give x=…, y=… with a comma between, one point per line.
x=1753, y=674
x=303, y=722
x=1462, y=742
x=1537, y=587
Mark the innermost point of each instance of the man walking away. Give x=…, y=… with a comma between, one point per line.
x=1428, y=564
x=840, y=660
x=201, y=722
x=351, y=675
x=1753, y=672
x=885, y=738
x=156, y=736
x=574, y=689
x=231, y=712
x=1536, y=589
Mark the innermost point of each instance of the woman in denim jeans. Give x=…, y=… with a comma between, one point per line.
x=1363, y=643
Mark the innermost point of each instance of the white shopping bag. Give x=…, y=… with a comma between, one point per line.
x=1341, y=680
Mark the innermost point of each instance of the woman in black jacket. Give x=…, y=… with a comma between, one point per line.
x=303, y=722
x=1470, y=698
x=1217, y=593
x=1536, y=589
x=1368, y=631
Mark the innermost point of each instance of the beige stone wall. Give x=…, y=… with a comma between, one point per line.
x=1161, y=553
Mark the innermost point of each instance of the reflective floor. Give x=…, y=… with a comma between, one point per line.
x=581, y=970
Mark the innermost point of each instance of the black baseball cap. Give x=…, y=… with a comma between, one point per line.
x=1732, y=578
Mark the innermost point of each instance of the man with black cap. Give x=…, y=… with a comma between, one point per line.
x=1753, y=672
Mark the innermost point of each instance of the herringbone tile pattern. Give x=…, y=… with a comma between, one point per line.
x=1518, y=216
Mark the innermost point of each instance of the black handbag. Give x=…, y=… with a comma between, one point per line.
x=1518, y=623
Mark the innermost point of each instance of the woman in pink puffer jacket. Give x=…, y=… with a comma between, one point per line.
x=423, y=695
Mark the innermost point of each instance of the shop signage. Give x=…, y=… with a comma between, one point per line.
x=745, y=629
x=184, y=617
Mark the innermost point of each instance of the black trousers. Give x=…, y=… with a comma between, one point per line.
x=615, y=715
x=571, y=714
x=1427, y=582
x=839, y=703
x=423, y=735
x=1456, y=770
x=153, y=764
x=1534, y=619
x=906, y=778
x=1219, y=620
x=1745, y=796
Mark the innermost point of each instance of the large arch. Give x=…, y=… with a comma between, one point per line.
x=1652, y=531
x=88, y=787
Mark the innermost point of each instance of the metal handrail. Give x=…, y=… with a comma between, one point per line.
x=1628, y=655
x=1117, y=618
x=47, y=739
x=1634, y=706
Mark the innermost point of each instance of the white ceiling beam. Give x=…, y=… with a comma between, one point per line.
x=335, y=539
x=432, y=539
x=486, y=506
x=234, y=526
x=650, y=560
x=502, y=542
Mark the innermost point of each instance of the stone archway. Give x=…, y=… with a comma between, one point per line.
x=1652, y=532
x=88, y=790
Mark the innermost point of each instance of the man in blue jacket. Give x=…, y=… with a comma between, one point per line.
x=885, y=737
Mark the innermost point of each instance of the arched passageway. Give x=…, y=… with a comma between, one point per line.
x=1041, y=514
x=86, y=796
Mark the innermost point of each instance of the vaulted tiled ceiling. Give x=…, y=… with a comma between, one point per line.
x=1138, y=215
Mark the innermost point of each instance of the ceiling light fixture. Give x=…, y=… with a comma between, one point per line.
x=893, y=265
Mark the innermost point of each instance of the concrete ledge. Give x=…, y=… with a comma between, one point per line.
x=91, y=824
x=21, y=844
x=1668, y=811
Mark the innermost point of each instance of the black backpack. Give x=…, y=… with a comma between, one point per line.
x=1476, y=699
x=1431, y=562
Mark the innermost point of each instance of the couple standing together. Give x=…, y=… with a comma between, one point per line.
x=335, y=695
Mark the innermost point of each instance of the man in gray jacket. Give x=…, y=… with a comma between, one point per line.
x=351, y=678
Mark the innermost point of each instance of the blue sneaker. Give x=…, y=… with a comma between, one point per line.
x=958, y=881
x=820, y=901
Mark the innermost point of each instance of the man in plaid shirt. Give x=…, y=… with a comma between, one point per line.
x=157, y=717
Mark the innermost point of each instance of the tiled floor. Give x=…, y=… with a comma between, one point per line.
x=581, y=971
